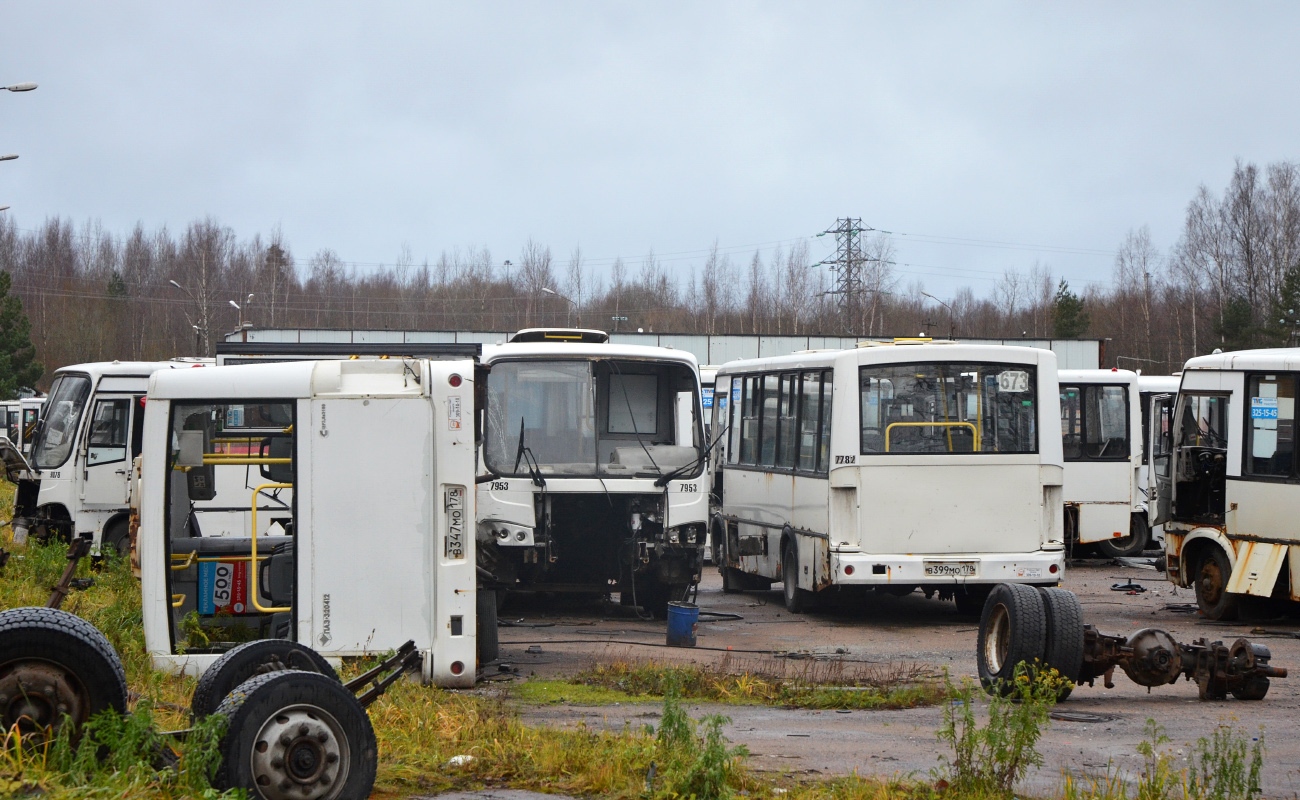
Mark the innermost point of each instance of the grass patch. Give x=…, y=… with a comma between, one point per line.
x=834, y=684
x=557, y=692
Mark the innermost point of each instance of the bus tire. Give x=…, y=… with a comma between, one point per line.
x=1063, y=651
x=1013, y=628
x=797, y=600
x=247, y=660
x=1129, y=546
x=80, y=672
x=117, y=536
x=296, y=734
x=489, y=644
x=1212, y=596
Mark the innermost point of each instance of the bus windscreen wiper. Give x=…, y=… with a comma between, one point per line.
x=662, y=480
x=526, y=456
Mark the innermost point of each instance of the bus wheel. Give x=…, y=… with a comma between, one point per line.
x=1212, y=573
x=253, y=658
x=1129, y=546
x=117, y=537
x=1013, y=628
x=1064, y=649
x=796, y=599
x=55, y=666
x=297, y=735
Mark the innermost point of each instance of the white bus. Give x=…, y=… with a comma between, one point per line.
x=77, y=482
x=929, y=465
x=1225, y=481
x=1101, y=422
x=594, y=467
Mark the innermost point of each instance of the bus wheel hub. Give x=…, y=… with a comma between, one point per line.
x=300, y=753
x=36, y=695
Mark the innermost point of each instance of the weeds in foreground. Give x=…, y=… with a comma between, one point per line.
x=991, y=759
x=800, y=684
x=126, y=754
x=696, y=766
x=1223, y=766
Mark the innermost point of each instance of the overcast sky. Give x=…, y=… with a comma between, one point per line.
x=623, y=127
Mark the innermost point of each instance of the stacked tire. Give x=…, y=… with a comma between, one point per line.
x=1039, y=626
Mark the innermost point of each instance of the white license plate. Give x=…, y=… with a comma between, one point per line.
x=455, y=502
x=951, y=569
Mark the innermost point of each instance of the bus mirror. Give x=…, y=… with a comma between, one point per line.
x=191, y=449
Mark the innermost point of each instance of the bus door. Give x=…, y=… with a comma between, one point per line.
x=1198, y=472
x=104, y=457
x=1158, y=455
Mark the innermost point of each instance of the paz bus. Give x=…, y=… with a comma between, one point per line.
x=899, y=466
x=1225, y=483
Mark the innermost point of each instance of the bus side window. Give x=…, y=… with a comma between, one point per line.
x=1071, y=423
x=767, y=423
x=1270, y=431
x=824, y=448
x=810, y=409
x=718, y=410
x=787, y=421
x=749, y=420
x=108, y=432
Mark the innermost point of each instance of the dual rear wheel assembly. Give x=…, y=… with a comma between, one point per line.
x=294, y=730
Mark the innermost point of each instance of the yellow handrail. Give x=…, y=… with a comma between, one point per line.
x=252, y=580
x=184, y=561
x=974, y=431
x=178, y=600
x=219, y=458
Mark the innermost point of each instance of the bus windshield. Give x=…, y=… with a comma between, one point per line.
x=588, y=418
x=933, y=407
x=63, y=415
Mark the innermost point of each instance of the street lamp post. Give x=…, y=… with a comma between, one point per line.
x=240, y=309
x=568, y=317
x=15, y=87
x=952, y=326
x=200, y=329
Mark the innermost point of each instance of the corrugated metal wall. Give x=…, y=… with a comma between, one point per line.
x=1071, y=353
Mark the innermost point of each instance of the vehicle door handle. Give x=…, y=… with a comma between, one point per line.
x=119, y=472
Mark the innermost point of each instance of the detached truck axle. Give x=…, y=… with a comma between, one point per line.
x=1044, y=627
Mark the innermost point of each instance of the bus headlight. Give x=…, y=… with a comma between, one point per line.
x=674, y=537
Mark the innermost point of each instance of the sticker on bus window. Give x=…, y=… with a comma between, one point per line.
x=706, y=396
x=1013, y=380
x=1263, y=408
x=223, y=587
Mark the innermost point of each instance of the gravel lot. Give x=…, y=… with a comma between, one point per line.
x=884, y=630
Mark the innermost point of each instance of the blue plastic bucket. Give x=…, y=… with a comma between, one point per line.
x=683, y=620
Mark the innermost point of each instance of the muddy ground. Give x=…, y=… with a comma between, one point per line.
x=887, y=632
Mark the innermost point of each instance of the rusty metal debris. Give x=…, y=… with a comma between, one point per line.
x=79, y=549
x=1152, y=657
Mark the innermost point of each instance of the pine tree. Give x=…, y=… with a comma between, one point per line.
x=18, y=366
x=1070, y=319
x=1285, y=324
